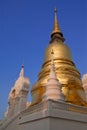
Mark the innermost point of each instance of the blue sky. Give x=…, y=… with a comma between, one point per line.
x=25, y=28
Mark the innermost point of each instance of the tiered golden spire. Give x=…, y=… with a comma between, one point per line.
x=65, y=70
x=56, y=29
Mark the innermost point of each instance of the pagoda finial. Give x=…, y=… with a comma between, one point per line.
x=55, y=13
x=52, y=59
x=56, y=29
x=52, y=68
x=22, y=65
x=22, y=71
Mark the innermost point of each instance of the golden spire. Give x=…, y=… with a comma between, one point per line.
x=56, y=29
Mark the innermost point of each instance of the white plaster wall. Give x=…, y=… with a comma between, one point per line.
x=49, y=117
x=42, y=124
x=64, y=124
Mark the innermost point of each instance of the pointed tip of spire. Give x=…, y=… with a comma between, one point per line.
x=22, y=71
x=22, y=65
x=52, y=67
x=56, y=29
x=55, y=12
x=52, y=59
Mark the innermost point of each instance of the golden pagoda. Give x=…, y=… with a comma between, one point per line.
x=65, y=69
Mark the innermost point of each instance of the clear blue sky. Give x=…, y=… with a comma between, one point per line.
x=25, y=27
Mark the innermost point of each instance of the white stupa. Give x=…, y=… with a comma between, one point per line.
x=53, y=86
x=17, y=100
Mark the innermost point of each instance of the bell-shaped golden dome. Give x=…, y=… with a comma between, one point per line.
x=65, y=69
x=61, y=50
